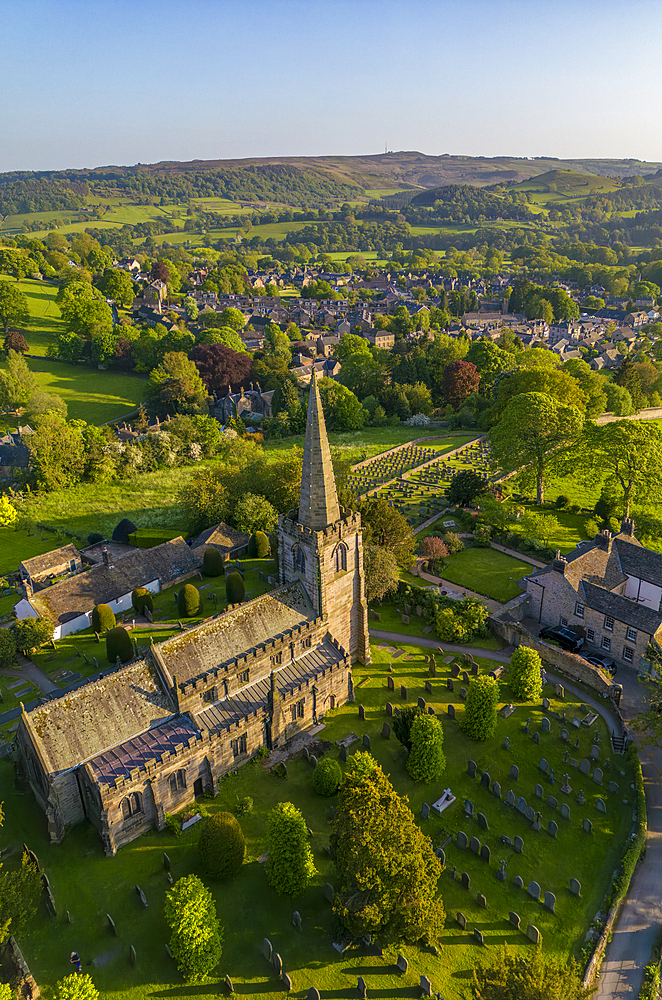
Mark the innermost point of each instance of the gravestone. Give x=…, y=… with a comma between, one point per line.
x=580, y=798
x=465, y=677
x=313, y=994
x=229, y=985
x=361, y=987
x=549, y=901
x=466, y=881
x=536, y=825
x=132, y=955
x=329, y=893
x=514, y=919
x=389, y=708
x=478, y=936
x=474, y=845
x=361, y=712
x=544, y=725
x=485, y=853
x=597, y=776
x=501, y=874
x=510, y=797
x=575, y=887
x=450, y=684
x=390, y=683
x=481, y=900
x=543, y=765
x=496, y=789
x=111, y=925
x=463, y=694
x=612, y=787
x=421, y=704
x=538, y=792
x=485, y=780
x=426, y=986
x=403, y=692
x=428, y=687
x=595, y=752
x=366, y=741
x=455, y=670
x=461, y=839
x=518, y=845
x=461, y=919
x=287, y=982
x=520, y=805
x=343, y=754
x=277, y=963
x=518, y=882
x=600, y=805
x=471, y=769
x=536, y=737
x=167, y=864
x=441, y=855
x=141, y=894
x=576, y=722
x=529, y=813
x=566, y=788
x=386, y=731
x=514, y=771
x=551, y=802
x=506, y=743
x=533, y=890
x=585, y=766
x=587, y=826
x=482, y=821
x=451, y=711
x=296, y=920
x=533, y=934
x=267, y=949
x=564, y=735
x=552, y=828
x=468, y=808
x=425, y=811
x=565, y=810
x=402, y=963
x=545, y=704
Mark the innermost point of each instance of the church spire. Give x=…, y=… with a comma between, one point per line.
x=318, y=504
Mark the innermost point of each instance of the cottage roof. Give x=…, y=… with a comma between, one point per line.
x=621, y=608
x=221, y=537
x=212, y=644
x=100, y=715
x=48, y=562
x=101, y=583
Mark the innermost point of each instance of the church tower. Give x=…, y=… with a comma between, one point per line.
x=321, y=543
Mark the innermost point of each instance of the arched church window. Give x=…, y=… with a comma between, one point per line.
x=340, y=558
x=299, y=559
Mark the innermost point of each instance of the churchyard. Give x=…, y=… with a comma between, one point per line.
x=510, y=805
x=365, y=477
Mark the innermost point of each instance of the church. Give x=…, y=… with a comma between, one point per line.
x=144, y=740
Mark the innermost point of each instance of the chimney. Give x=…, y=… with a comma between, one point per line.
x=627, y=527
x=603, y=539
x=105, y=556
x=560, y=563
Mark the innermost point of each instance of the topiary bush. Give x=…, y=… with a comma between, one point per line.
x=479, y=720
x=103, y=618
x=426, y=760
x=118, y=643
x=212, y=562
x=234, y=588
x=94, y=537
x=123, y=530
x=188, y=600
x=327, y=775
x=141, y=599
x=222, y=845
x=524, y=674
x=290, y=866
x=402, y=724
x=259, y=546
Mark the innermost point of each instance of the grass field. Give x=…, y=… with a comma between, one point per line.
x=89, y=886
x=487, y=572
x=45, y=320
x=90, y=395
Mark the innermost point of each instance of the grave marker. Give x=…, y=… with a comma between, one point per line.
x=552, y=828
x=451, y=711
x=600, y=805
x=514, y=919
x=533, y=890
x=485, y=853
x=474, y=845
x=597, y=776
x=461, y=839
x=587, y=826
x=518, y=845
x=549, y=901
x=575, y=887
x=533, y=934
x=386, y=731
x=518, y=882
x=461, y=919
x=514, y=771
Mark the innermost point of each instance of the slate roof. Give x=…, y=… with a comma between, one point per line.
x=210, y=645
x=637, y=561
x=136, y=752
x=621, y=608
x=101, y=584
x=48, y=562
x=254, y=697
x=221, y=537
x=102, y=714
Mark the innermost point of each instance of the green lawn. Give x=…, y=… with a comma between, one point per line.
x=487, y=572
x=391, y=621
x=45, y=321
x=89, y=886
x=90, y=395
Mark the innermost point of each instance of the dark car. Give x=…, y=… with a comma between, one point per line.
x=603, y=662
x=566, y=639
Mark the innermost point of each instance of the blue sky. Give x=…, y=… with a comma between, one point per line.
x=88, y=83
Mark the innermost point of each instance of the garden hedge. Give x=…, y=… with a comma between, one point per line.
x=222, y=845
x=212, y=562
x=188, y=600
x=103, y=618
x=234, y=588
x=118, y=643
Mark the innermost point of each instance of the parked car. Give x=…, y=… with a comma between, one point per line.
x=601, y=661
x=564, y=637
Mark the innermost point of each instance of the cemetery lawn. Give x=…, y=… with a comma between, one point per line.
x=391, y=621
x=89, y=885
x=487, y=572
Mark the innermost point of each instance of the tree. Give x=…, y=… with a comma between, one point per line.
x=176, y=382
x=490, y=362
x=551, y=381
x=479, y=720
x=433, y=547
x=342, y=410
x=8, y=514
x=57, y=454
x=628, y=377
x=235, y=590
x=385, y=526
x=381, y=572
x=528, y=976
x=524, y=674
x=426, y=760
x=290, y=867
x=255, y=513
x=160, y=272
x=7, y=647
x=196, y=934
x=629, y=451
x=619, y=400
x=20, y=892
x=15, y=341
x=465, y=487
x=533, y=429
x=31, y=633
x=118, y=286
x=7, y=993
x=460, y=380
x=17, y=383
x=188, y=600
x=453, y=542
x=350, y=343
x=232, y=317
x=85, y=310
x=190, y=307
x=77, y=986
x=103, y=618
x=220, y=367
x=222, y=845
x=387, y=868
x=13, y=306
x=226, y=336
x=44, y=402
x=327, y=776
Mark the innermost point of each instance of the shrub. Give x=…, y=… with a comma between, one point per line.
x=259, y=546
x=574, y=508
x=453, y=542
x=479, y=720
x=77, y=986
x=123, y=530
x=434, y=547
x=462, y=621
x=30, y=633
x=482, y=536
x=94, y=537
x=118, y=643
x=245, y=803
x=212, y=562
x=426, y=760
x=222, y=845
x=327, y=776
x=103, y=618
x=234, y=588
x=290, y=866
x=196, y=934
x=402, y=724
x=141, y=599
x=7, y=647
x=524, y=674
x=561, y=501
x=188, y=600
x=591, y=528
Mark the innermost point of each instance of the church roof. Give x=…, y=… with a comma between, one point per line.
x=137, y=752
x=318, y=503
x=102, y=714
x=212, y=644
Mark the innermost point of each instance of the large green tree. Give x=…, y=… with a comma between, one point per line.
x=196, y=934
x=529, y=975
x=385, y=526
x=533, y=429
x=342, y=410
x=57, y=453
x=13, y=306
x=17, y=383
x=387, y=868
x=118, y=285
x=290, y=867
x=381, y=572
x=84, y=309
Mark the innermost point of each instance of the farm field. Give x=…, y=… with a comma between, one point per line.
x=89, y=885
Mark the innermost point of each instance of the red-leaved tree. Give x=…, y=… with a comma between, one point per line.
x=433, y=547
x=15, y=341
x=219, y=366
x=460, y=379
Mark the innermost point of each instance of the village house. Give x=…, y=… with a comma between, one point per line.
x=40, y=569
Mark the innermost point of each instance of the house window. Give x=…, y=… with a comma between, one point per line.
x=243, y=677
x=609, y=623
x=564, y=621
x=177, y=781
x=294, y=713
x=628, y=653
x=631, y=634
x=606, y=642
x=239, y=746
x=579, y=610
x=590, y=635
x=299, y=559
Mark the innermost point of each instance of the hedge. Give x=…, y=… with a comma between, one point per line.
x=118, y=643
x=141, y=599
x=259, y=546
x=212, y=562
x=235, y=590
x=188, y=600
x=327, y=775
x=426, y=760
x=103, y=618
x=524, y=674
x=222, y=845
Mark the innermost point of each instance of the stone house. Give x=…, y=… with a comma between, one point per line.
x=608, y=590
x=147, y=739
x=41, y=568
x=228, y=541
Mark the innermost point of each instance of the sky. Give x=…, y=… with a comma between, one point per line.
x=86, y=83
